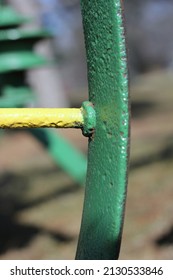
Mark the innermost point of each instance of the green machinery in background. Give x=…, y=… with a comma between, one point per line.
x=16, y=57
x=106, y=123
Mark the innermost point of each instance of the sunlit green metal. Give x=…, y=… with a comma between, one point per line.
x=102, y=221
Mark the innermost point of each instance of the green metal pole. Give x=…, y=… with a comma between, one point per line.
x=102, y=220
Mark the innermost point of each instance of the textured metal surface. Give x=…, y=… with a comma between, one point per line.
x=89, y=116
x=101, y=227
x=40, y=117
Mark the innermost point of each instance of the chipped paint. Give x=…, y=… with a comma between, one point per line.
x=41, y=117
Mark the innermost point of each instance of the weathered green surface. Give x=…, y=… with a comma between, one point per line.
x=102, y=220
x=89, y=116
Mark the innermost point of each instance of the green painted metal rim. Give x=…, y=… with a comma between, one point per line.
x=104, y=203
x=15, y=61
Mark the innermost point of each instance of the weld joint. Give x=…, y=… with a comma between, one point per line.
x=89, y=116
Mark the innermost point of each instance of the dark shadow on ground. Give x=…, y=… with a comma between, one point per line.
x=13, y=188
x=142, y=108
x=56, y=194
x=14, y=235
x=12, y=191
x=166, y=238
x=164, y=154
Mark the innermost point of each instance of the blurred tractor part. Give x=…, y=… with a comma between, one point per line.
x=16, y=57
x=50, y=91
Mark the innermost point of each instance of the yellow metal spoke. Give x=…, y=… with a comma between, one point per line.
x=40, y=117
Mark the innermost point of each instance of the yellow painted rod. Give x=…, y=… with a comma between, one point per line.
x=40, y=117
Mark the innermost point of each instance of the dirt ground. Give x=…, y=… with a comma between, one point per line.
x=41, y=206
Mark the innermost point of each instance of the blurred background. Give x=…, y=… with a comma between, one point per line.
x=40, y=203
